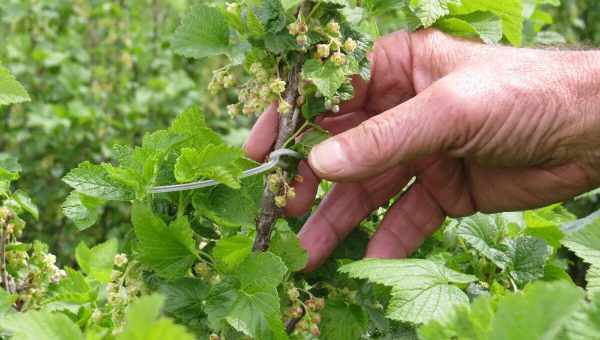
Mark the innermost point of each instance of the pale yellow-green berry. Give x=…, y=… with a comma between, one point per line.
x=232, y=7
x=338, y=58
x=284, y=107
x=120, y=260
x=302, y=39
x=233, y=110
x=350, y=45
x=273, y=183
x=290, y=194
x=293, y=28
x=280, y=201
x=302, y=28
x=277, y=86
x=335, y=108
x=333, y=28
x=228, y=81
x=323, y=50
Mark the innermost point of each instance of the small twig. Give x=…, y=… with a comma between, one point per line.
x=5, y=277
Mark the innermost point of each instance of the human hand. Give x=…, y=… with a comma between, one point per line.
x=483, y=128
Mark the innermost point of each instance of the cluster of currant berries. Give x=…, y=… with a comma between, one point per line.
x=307, y=312
x=334, y=48
x=255, y=94
x=278, y=185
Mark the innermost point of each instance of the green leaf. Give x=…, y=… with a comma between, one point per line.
x=270, y=14
x=429, y=11
x=170, y=251
x=36, y=325
x=545, y=223
x=466, y=322
x=585, y=243
x=230, y=207
x=342, y=321
x=260, y=271
x=185, y=298
x=421, y=290
x=192, y=125
x=286, y=245
x=484, y=233
x=248, y=300
x=93, y=180
x=538, y=313
x=73, y=289
x=203, y=32
x=230, y=252
x=9, y=167
x=584, y=323
x=11, y=91
x=311, y=138
x=528, y=255
x=511, y=12
x=83, y=210
x=143, y=322
x=327, y=77
x=97, y=262
x=484, y=25
x=26, y=203
x=212, y=162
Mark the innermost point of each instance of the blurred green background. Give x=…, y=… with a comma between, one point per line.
x=101, y=72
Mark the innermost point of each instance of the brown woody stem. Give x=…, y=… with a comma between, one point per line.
x=288, y=124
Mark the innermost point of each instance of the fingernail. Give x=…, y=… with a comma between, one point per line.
x=328, y=158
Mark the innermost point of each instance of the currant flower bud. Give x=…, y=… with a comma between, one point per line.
x=277, y=85
x=228, y=81
x=302, y=40
x=214, y=87
x=323, y=50
x=350, y=45
x=265, y=92
x=295, y=312
x=233, y=110
x=338, y=58
x=120, y=260
x=280, y=201
x=48, y=259
x=255, y=68
x=273, y=183
x=333, y=28
x=293, y=293
x=290, y=194
x=284, y=107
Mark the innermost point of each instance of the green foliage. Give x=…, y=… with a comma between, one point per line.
x=585, y=242
x=421, y=290
x=11, y=91
x=203, y=32
x=97, y=261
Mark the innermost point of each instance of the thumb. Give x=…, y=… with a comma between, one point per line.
x=424, y=125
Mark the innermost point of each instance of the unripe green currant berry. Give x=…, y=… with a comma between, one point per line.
x=335, y=108
x=314, y=330
x=302, y=325
x=214, y=337
x=293, y=28
x=280, y=201
x=316, y=318
x=338, y=58
x=228, y=81
x=350, y=45
x=277, y=85
x=302, y=40
x=323, y=50
x=336, y=43
x=213, y=87
x=302, y=28
x=265, y=92
x=284, y=107
x=295, y=312
x=328, y=104
x=120, y=260
x=320, y=303
x=333, y=28
x=335, y=99
x=255, y=68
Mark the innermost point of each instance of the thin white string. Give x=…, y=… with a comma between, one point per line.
x=274, y=160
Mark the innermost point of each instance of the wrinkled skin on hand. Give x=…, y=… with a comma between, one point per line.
x=483, y=128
